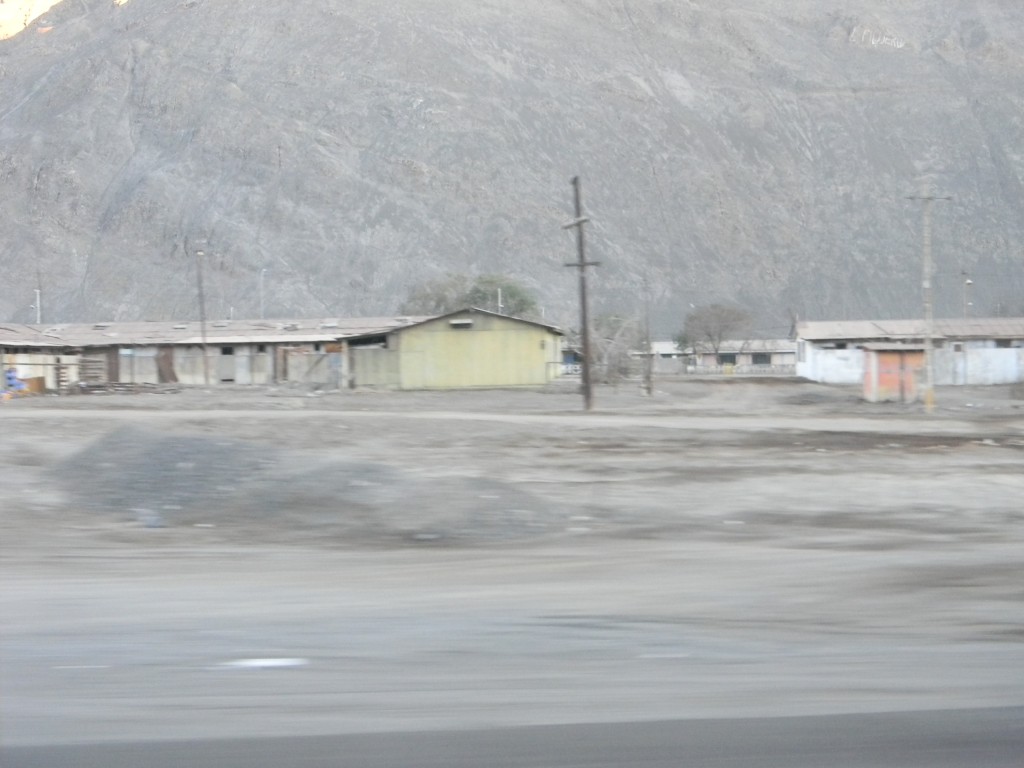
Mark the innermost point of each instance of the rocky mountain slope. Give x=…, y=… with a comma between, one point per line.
x=757, y=152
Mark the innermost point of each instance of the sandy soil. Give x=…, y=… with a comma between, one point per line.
x=419, y=560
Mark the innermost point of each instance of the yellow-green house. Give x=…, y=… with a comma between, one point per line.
x=471, y=348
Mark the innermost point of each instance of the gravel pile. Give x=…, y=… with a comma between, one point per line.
x=143, y=478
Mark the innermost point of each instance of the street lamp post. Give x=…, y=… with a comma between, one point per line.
x=262, y=273
x=202, y=315
x=967, y=304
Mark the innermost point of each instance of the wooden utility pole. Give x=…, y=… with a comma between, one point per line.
x=926, y=290
x=581, y=264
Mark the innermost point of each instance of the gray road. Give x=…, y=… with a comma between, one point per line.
x=984, y=738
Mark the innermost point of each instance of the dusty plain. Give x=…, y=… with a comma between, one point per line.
x=254, y=562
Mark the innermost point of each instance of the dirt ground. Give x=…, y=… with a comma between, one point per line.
x=286, y=561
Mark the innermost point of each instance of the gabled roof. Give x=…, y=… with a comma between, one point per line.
x=457, y=313
x=881, y=330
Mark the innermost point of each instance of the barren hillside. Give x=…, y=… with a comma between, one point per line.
x=754, y=151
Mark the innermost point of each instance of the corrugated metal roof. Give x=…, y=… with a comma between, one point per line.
x=190, y=332
x=16, y=335
x=963, y=328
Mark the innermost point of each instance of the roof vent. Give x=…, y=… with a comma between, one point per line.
x=291, y=326
x=329, y=324
x=100, y=326
x=221, y=324
x=180, y=327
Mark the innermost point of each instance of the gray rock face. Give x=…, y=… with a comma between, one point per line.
x=758, y=152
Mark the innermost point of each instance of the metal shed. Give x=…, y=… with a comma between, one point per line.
x=892, y=372
x=470, y=348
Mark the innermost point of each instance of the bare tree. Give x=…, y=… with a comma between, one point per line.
x=615, y=340
x=709, y=326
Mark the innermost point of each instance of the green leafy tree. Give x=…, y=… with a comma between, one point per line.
x=454, y=292
x=437, y=296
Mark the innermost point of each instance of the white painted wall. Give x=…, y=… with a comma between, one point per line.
x=246, y=366
x=976, y=363
x=830, y=366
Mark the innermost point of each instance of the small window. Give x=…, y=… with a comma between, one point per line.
x=1003, y=343
x=261, y=349
x=761, y=358
x=958, y=347
x=317, y=347
x=227, y=350
x=840, y=345
x=727, y=359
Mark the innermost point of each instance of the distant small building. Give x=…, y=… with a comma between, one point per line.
x=744, y=356
x=734, y=356
x=970, y=351
x=667, y=357
x=572, y=360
